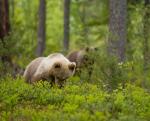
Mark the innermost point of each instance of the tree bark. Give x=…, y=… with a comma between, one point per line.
x=4, y=31
x=146, y=34
x=117, y=28
x=4, y=18
x=66, y=25
x=41, y=28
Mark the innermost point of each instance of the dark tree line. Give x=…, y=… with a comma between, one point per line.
x=117, y=27
x=42, y=29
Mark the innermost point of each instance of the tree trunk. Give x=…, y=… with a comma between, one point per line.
x=66, y=24
x=4, y=25
x=146, y=33
x=41, y=28
x=117, y=28
x=4, y=31
x=4, y=18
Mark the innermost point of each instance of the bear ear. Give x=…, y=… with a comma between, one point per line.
x=57, y=65
x=74, y=63
x=72, y=66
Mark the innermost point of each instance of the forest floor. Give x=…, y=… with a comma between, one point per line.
x=75, y=102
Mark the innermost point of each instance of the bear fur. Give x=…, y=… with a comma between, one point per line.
x=54, y=68
x=83, y=59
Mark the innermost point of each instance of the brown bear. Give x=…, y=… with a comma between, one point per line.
x=54, y=68
x=84, y=58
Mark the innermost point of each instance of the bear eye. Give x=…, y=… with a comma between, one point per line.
x=57, y=65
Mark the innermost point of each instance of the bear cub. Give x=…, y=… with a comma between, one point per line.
x=84, y=59
x=54, y=68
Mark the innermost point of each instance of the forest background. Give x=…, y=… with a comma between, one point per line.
x=119, y=29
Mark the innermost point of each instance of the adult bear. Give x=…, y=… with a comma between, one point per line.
x=54, y=68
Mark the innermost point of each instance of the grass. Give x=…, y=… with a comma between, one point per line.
x=75, y=102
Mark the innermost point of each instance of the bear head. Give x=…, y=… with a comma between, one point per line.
x=61, y=68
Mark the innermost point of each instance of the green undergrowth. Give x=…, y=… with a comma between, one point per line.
x=75, y=102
